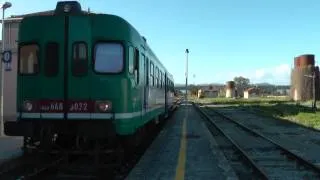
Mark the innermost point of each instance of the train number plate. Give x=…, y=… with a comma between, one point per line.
x=73, y=106
x=79, y=106
x=51, y=106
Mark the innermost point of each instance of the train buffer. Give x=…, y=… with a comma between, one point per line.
x=184, y=149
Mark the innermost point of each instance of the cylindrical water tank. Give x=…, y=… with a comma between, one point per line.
x=306, y=60
x=230, y=84
x=296, y=62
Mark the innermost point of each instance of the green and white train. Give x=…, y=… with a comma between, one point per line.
x=86, y=76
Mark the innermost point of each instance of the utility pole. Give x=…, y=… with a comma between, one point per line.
x=187, y=52
x=314, y=102
x=314, y=106
x=3, y=7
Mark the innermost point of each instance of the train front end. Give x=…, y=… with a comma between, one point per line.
x=70, y=82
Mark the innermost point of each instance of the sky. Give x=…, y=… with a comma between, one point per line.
x=226, y=38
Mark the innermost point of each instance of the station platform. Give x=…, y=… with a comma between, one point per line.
x=10, y=147
x=184, y=149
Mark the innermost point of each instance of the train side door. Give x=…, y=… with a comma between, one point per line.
x=77, y=74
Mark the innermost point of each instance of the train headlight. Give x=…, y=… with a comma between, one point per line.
x=104, y=106
x=27, y=106
x=67, y=8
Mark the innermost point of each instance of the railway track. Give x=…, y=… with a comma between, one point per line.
x=64, y=166
x=30, y=167
x=254, y=156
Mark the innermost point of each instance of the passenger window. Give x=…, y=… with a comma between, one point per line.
x=152, y=74
x=160, y=76
x=136, y=65
x=80, y=59
x=108, y=58
x=160, y=79
x=28, y=59
x=131, y=60
x=157, y=75
x=147, y=70
x=51, y=64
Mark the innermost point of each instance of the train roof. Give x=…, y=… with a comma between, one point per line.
x=134, y=32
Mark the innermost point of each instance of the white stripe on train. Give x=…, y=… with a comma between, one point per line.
x=85, y=115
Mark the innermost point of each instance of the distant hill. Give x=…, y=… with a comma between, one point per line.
x=213, y=84
x=220, y=84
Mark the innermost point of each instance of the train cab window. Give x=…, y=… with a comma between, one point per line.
x=79, y=59
x=28, y=59
x=51, y=64
x=108, y=58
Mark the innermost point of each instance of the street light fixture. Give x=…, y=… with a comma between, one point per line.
x=187, y=52
x=4, y=6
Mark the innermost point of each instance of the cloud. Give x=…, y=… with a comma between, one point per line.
x=279, y=74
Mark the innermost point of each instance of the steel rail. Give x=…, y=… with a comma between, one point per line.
x=256, y=167
x=298, y=157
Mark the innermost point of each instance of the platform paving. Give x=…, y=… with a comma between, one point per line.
x=183, y=150
x=10, y=147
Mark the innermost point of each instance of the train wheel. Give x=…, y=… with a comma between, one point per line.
x=27, y=142
x=65, y=141
x=46, y=138
x=82, y=143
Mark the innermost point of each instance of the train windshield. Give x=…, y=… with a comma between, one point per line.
x=108, y=58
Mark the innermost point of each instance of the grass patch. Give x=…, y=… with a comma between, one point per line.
x=296, y=113
x=278, y=107
x=240, y=101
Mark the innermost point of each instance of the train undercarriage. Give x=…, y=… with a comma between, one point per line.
x=79, y=137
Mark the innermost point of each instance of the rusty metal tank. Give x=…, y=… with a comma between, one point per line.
x=296, y=62
x=306, y=60
x=316, y=69
x=230, y=85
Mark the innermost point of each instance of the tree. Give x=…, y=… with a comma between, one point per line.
x=241, y=82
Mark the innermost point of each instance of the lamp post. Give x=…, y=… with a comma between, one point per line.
x=314, y=103
x=194, y=79
x=187, y=52
x=4, y=6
